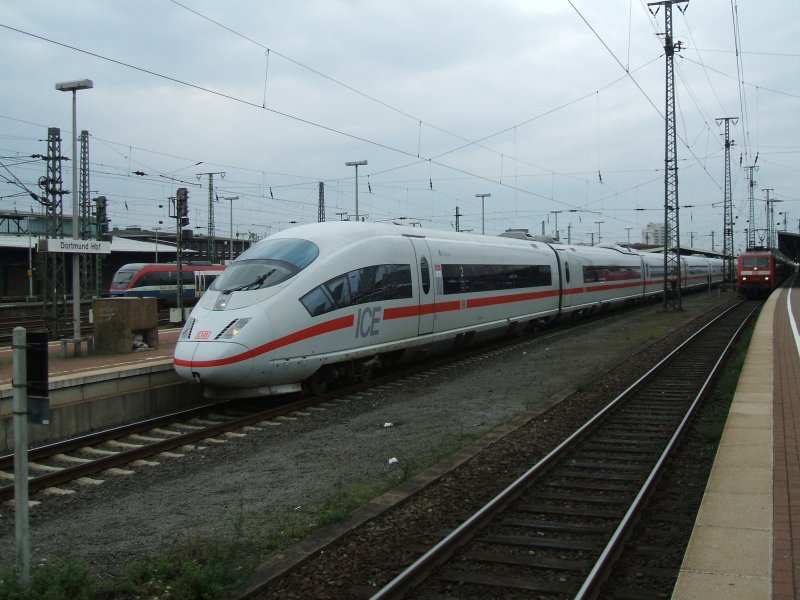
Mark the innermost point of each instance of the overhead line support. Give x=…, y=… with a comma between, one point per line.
x=672, y=243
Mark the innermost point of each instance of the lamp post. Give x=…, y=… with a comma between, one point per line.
x=482, y=197
x=356, y=164
x=231, y=198
x=74, y=86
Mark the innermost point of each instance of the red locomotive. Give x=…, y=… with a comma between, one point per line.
x=760, y=270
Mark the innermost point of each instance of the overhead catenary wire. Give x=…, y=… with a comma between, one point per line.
x=504, y=156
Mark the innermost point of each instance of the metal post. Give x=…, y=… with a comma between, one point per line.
x=76, y=259
x=20, y=409
x=74, y=86
x=356, y=164
x=483, y=197
x=231, y=198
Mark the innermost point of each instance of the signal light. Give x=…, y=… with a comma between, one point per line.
x=182, y=206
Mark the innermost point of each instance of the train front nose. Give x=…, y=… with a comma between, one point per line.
x=223, y=357
x=217, y=364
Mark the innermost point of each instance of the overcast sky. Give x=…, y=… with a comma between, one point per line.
x=547, y=105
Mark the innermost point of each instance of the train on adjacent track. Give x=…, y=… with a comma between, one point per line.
x=321, y=302
x=760, y=270
x=160, y=280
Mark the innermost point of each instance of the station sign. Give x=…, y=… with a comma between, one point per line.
x=74, y=246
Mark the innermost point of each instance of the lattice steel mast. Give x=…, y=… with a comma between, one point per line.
x=321, y=208
x=55, y=285
x=751, y=223
x=727, y=231
x=212, y=246
x=90, y=285
x=672, y=264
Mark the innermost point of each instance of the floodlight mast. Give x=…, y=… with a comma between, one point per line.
x=74, y=86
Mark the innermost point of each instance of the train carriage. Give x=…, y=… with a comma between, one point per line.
x=160, y=280
x=318, y=302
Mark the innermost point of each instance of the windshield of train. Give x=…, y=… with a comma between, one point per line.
x=755, y=261
x=122, y=278
x=268, y=263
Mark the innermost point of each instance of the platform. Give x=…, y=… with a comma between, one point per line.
x=96, y=391
x=70, y=365
x=746, y=539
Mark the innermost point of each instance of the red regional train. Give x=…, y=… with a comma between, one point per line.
x=320, y=302
x=760, y=270
x=160, y=280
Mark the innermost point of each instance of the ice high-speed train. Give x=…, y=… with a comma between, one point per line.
x=311, y=304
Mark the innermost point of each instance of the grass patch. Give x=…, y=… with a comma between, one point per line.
x=205, y=569
x=60, y=579
x=710, y=428
x=201, y=571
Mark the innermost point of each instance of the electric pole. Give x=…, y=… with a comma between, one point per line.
x=770, y=226
x=458, y=220
x=672, y=239
x=556, y=213
x=321, y=209
x=727, y=230
x=751, y=232
x=55, y=284
x=181, y=220
x=212, y=246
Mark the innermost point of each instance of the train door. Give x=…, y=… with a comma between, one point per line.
x=425, y=284
x=566, y=280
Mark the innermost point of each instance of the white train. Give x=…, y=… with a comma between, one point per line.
x=309, y=305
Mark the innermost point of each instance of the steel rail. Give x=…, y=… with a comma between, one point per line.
x=124, y=457
x=601, y=568
x=418, y=571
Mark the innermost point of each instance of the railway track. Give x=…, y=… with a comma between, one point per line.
x=68, y=461
x=556, y=530
x=77, y=458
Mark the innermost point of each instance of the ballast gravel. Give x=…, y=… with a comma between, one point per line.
x=273, y=475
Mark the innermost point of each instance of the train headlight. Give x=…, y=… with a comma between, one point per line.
x=222, y=302
x=187, y=329
x=233, y=329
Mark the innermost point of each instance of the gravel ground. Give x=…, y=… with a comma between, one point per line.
x=277, y=473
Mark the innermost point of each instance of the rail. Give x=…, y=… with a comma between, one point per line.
x=580, y=493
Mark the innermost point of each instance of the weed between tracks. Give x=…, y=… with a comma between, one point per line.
x=205, y=569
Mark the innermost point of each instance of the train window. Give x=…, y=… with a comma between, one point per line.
x=755, y=261
x=462, y=279
x=592, y=273
x=318, y=302
x=299, y=253
x=339, y=289
x=369, y=284
x=265, y=264
x=566, y=270
x=425, y=273
x=122, y=278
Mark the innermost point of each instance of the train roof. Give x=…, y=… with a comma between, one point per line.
x=332, y=233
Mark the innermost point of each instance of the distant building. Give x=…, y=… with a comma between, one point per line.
x=653, y=234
